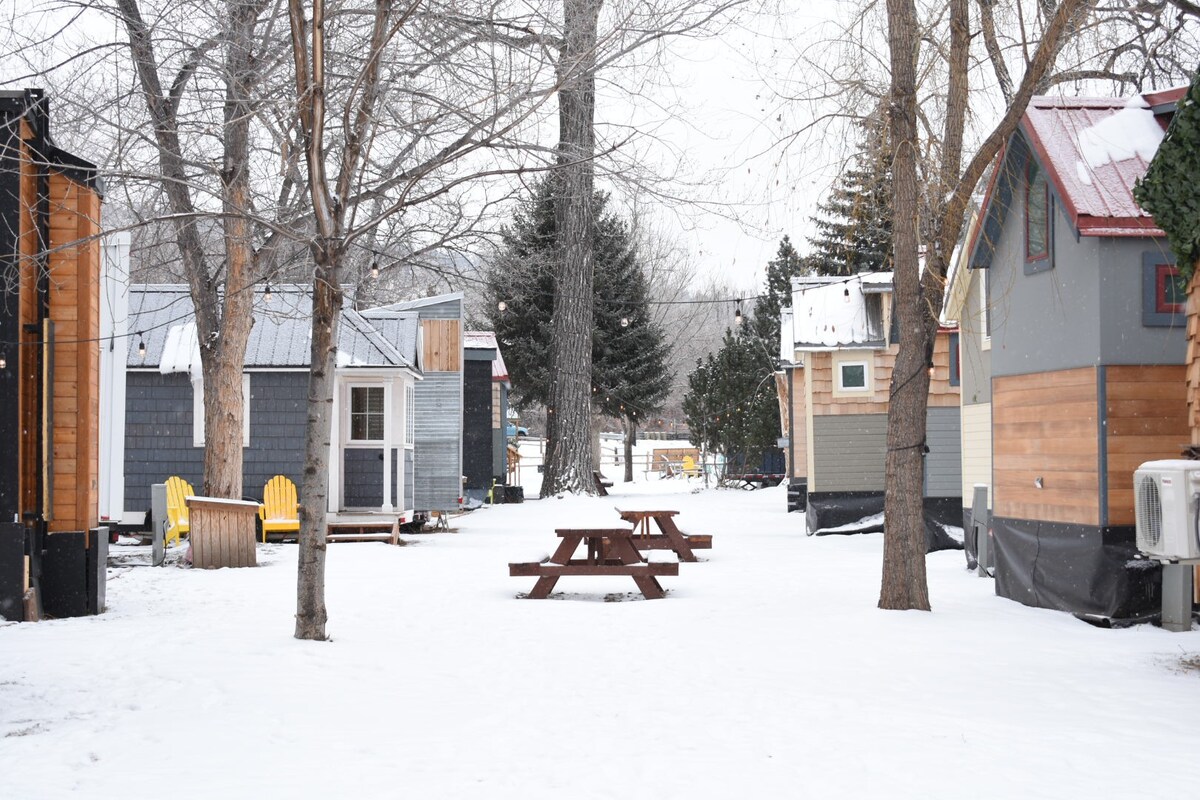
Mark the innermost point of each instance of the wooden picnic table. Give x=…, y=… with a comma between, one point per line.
x=669, y=536
x=607, y=551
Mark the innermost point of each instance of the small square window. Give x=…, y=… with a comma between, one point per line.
x=1170, y=290
x=1164, y=292
x=852, y=376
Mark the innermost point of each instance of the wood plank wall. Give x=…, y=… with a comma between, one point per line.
x=1046, y=425
x=1147, y=420
x=30, y=378
x=819, y=366
x=443, y=345
x=75, y=309
x=799, y=432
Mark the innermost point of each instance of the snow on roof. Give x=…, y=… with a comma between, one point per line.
x=486, y=340
x=161, y=315
x=836, y=314
x=1094, y=149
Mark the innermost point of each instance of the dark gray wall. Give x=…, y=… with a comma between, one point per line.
x=943, y=465
x=477, y=424
x=363, y=476
x=849, y=452
x=158, y=432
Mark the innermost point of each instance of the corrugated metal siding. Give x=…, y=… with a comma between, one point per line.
x=849, y=452
x=437, y=458
x=407, y=500
x=943, y=465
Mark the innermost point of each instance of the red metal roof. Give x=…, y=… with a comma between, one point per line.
x=1097, y=194
x=486, y=340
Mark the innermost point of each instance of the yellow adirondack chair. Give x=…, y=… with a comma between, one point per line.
x=689, y=467
x=279, y=511
x=177, y=511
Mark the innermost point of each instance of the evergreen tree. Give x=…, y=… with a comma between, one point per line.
x=854, y=225
x=630, y=375
x=730, y=405
x=780, y=271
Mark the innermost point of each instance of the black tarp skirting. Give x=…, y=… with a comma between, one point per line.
x=837, y=509
x=1082, y=569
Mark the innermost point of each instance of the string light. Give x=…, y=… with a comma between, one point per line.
x=374, y=270
x=624, y=322
x=737, y=315
x=267, y=294
x=503, y=306
x=141, y=347
x=3, y=362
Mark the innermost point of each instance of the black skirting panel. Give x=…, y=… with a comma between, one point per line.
x=843, y=509
x=12, y=571
x=1082, y=569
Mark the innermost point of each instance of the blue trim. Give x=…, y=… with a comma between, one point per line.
x=1151, y=317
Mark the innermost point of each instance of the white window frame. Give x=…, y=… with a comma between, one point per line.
x=349, y=414
x=840, y=365
x=198, y=410
x=984, y=311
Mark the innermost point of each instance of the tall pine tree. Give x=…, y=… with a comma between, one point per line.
x=630, y=374
x=854, y=225
x=786, y=264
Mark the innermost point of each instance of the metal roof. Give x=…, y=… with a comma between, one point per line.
x=486, y=340
x=162, y=316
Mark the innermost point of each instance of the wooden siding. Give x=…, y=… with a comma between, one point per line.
x=1147, y=420
x=976, y=449
x=30, y=377
x=819, y=366
x=443, y=345
x=1046, y=425
x=799, y=431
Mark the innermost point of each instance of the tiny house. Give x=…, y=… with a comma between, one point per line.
x=838, y=346
x=1073, y=343
x=49, y=366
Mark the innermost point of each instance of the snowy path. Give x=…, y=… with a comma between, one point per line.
x=767, y=672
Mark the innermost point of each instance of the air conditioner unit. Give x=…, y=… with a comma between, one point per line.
x=1166, y=498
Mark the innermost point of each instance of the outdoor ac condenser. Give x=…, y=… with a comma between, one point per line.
x=1167, y=505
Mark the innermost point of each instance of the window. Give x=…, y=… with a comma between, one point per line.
x=985, y=307
x=410, y=414
x=955, y=361
x=852, y=376
x=366, y=413
x=1164, y=292
x=1037, y=215
x=198, y=410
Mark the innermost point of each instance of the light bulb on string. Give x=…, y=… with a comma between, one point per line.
x=3, y=362
x=503, y=306
x=374, y=270
x=624, y=322
x=846, y=294
x=267, y=294
x=141, y=347
x=737, y=315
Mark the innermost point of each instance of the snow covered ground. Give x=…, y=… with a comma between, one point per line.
x=766, y=672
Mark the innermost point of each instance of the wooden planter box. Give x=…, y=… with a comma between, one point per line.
x=222, y=532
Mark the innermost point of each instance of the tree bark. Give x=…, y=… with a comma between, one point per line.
x=630, y=440
x=904, y=582
x=568, y=468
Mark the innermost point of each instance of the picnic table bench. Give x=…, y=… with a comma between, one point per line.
x=602, y=483
x=669, y=536
x=608, y=551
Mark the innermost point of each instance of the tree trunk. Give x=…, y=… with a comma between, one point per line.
x=311, y=614
x=568, y=467
x=904, y=583
x=630, y=440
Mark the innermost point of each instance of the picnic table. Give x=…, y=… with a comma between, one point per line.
x=607, y=551
x=669, y=536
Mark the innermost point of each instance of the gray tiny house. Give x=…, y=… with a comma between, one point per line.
x=1072, y=350
x=378, y=368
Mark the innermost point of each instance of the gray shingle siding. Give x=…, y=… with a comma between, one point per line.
x=158, y=432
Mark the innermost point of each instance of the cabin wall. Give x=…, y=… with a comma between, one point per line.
x=797, y=424
x=438, y=435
